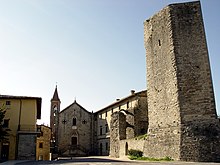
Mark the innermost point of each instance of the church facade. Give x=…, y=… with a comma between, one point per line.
x=79, y=132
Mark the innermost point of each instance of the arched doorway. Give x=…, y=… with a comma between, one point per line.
x=74, y=140
x=126, y=148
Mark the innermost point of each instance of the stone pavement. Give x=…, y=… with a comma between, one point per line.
x=101, y=160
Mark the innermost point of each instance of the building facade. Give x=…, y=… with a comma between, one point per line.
x=75, y=131
x=134, y=107
x=80, y=132
x=20, y=119
x=43, y=143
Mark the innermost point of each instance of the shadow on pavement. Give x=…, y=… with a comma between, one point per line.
x=73, y=160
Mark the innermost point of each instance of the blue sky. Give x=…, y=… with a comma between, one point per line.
x=93, y=49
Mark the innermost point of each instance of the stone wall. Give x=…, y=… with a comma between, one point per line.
x=128, y=144
x=130, y=123
x=163, y=103
x=181, y=108
x=141, y=116
x=200, y=127
x=117, y=133
x=26, y=146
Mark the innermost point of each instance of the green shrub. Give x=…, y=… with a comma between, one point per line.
x=135, y=153
x=150, y=159
x=140, y=137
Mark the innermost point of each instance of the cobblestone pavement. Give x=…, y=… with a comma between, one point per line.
x=102, y=161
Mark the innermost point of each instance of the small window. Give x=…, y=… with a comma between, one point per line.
x=8, y=103
x=119, y=107
x=40, y=145
x=74, y=121
x=100, y=116
x=38, y=129
x=106, y=128
x=100, y=130
x=106, y=114
x=112, y=110
x=6, y=123
x=127, y=104
x=159, y=42
x=106, y=146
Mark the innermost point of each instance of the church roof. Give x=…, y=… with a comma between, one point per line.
x=75, y=104
x=55, y=95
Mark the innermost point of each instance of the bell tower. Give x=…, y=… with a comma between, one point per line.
x=54, y=118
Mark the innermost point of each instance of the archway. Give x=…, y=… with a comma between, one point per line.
x=126, y=148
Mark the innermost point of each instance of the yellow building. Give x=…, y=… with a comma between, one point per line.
x=21, y=116
x=43, y=143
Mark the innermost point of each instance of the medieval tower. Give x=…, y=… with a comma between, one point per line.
x=54, y=118
x=183, y=122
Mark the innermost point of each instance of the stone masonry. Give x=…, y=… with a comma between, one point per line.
x=117, y=132
x=183, y=122
x=177, y=112
x=26, y=146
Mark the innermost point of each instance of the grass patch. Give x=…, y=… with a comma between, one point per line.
x=141, y=137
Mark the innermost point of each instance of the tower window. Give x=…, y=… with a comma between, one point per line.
x=127, y=104
x=74, y=121
x=106, y=114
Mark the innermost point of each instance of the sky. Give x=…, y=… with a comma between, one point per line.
x=93, y=50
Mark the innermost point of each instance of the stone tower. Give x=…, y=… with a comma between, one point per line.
x=183, y=122
x=54, y=118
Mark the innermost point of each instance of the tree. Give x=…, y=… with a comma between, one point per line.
x=3, y=131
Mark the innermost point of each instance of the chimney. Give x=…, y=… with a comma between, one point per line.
x=132, y=92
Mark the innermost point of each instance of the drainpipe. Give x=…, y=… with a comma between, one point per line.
x=19, y=119
x=19, y=127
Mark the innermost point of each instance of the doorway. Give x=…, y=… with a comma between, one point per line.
x=126, y=148
x=74, y=140
x=100, y=148
x=5, y=151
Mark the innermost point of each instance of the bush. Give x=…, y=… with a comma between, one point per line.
x=151, y=159
x=135, y=153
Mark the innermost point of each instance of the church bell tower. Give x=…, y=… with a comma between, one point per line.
x=54, y=118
